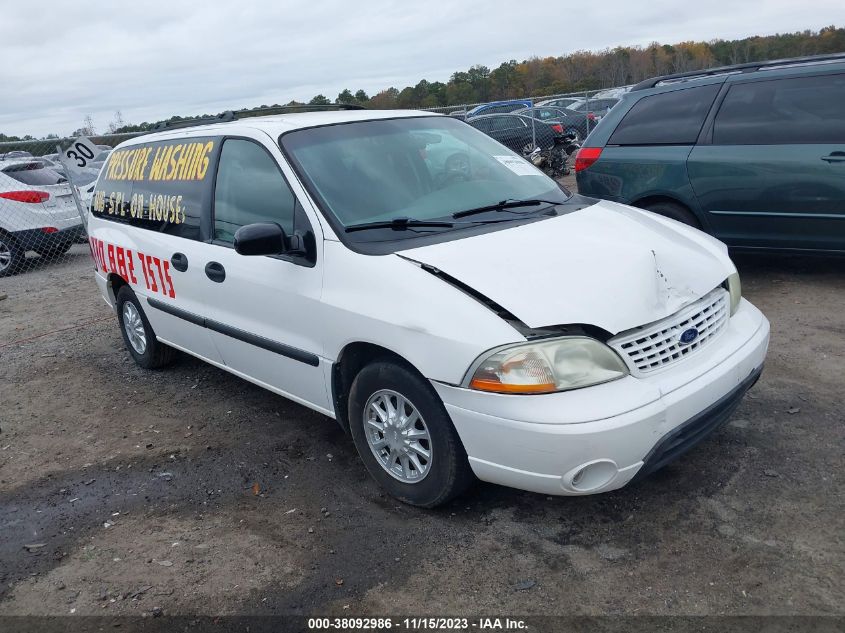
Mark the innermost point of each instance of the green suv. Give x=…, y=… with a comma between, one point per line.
x=753, y=154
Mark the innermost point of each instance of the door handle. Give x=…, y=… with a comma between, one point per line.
x=215, y=272
x=834, y=157
x=179, y=262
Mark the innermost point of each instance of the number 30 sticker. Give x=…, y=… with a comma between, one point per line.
x=80, y=153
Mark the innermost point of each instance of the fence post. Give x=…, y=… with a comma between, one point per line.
x=533, y=125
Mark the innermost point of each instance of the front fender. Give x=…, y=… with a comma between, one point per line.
x=391, y=302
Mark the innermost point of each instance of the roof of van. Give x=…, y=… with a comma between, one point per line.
x=276, y=124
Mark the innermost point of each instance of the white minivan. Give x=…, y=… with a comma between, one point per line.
x=458, y=312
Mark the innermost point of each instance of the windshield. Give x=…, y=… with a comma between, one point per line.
x=423, y=169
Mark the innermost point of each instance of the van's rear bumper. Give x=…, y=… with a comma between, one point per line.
x=600, y=438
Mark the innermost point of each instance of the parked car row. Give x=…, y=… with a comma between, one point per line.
x=546, y=133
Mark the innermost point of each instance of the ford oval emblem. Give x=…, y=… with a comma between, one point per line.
x=688, y=336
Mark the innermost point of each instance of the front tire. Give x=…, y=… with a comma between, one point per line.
x=405, y=437
x=138, y=334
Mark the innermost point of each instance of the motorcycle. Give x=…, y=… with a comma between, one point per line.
x=553, y=161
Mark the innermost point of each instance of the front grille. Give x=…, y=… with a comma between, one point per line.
x=656, y=346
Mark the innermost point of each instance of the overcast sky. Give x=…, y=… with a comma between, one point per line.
x=154, y=58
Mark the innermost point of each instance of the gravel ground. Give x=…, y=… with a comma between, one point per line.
x=191, y=491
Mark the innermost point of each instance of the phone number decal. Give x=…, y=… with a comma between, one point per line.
x=116, y=259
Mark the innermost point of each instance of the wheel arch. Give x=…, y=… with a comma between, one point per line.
x=352, y=358
x=114, y=283
x=645, y=201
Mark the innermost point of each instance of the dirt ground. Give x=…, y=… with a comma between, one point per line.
x=123, y=491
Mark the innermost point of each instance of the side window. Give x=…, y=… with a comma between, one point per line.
x=250, y=188
x=800, y=110
x=162, y=186
x=507, y=123
x=482, y=124
x=669, y=118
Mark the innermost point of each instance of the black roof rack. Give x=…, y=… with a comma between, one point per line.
x=304, y=107
x=229, y=115
x=208, y=120
x=736, y=68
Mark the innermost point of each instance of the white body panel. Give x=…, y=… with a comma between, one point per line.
x=393, y=303
x=607, y=266
x=538, y=443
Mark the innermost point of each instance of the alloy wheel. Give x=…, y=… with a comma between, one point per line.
x=398, y=436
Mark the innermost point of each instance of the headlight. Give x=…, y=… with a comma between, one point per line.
x=735, y=288
x=547, y=366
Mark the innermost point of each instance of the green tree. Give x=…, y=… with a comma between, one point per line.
x=384, y=100
x=319, y=100
x=345, y=97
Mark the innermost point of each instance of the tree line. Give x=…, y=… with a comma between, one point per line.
x=575, y=72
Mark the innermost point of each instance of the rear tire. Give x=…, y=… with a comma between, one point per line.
x=138, y=334
x=12, y=256
x=674, y=211
x=435, y=480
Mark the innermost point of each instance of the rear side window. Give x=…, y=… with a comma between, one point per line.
x=250, y=188
x=507, y=123
x=595, y=105
x=508, y=107
x=481, y=124
x=161, y=186
x=35, y=174
x=669, y=118
x=800, y=110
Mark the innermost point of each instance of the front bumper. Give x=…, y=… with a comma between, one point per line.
x=599, y=438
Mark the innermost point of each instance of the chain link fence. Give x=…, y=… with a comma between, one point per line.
x=547, y=130
x=40, y=226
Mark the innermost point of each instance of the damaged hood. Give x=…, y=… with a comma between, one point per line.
x=606, y=265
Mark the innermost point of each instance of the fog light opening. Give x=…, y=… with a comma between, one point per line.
x=592, y=476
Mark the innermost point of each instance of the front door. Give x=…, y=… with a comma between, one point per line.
x=263, y=313
x=774, y=173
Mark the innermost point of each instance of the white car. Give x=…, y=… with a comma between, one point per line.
x=460, y=313
x=37, y=213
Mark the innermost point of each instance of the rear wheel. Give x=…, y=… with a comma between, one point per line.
x=405, y=437
x=138, y=335
x=674, y=211
x=11, y=255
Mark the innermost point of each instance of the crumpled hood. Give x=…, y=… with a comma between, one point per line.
x=607, y=265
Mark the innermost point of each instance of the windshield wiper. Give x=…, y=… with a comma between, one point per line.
x=398, y=224
x=503, y=205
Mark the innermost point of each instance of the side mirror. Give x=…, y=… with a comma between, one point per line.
x=262, y=238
